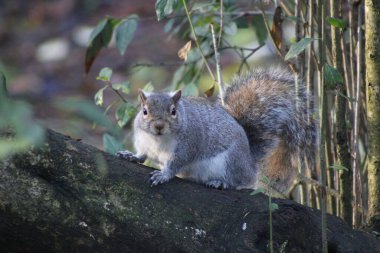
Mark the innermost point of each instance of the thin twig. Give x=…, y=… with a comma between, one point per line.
x=317, y=184
x=286, y=9
x=346, y=71
x=322, y=7
x=245, y=58
x=351, y=44
x=221, y=23
x=196, y=41
x=117, y=92
x=218, y=67
x=179, y=63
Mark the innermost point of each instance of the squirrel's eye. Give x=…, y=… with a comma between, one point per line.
x=173, y=112
x=145, y=112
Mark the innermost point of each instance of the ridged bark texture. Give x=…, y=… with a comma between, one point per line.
x=71, y=197
x=372, y=58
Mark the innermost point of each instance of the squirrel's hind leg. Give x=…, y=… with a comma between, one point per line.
x=131, y=157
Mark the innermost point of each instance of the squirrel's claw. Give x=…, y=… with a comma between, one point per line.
x=129, y=156
x=218, y=184
x=159, y=177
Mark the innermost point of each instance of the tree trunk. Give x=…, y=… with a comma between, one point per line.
x=372, y=58
x=71, y=197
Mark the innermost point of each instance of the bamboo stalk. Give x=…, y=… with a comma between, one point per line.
x=362, y=131
x=351, y=37
x=298, y=60
x=321, y=44
x=357, y=182
x=309, y=87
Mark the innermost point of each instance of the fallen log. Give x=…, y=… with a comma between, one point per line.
x=70, y=197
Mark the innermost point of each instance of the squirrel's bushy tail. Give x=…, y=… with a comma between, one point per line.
x=277, y=120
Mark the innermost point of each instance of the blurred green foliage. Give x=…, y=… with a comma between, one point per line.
x=187, y=76
x=195, y=28
x=18, y=130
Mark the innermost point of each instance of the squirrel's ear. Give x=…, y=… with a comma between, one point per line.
x=142, y=96
x=176, y=96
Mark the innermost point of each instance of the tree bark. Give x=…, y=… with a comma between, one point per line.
x=372, y=58
x=70, y=197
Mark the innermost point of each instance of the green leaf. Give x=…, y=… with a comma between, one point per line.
x=169, y=25
x=98, y=29
x=124, y=87
x=85, y=110
x=337, y=22
x=230, y=28
x=260, y=30
x=148, y=87
x=16, y=118
x=332, y=76
x=297, y=48
x=111, y=144
x=124, y=113
x=105, y=74
x=201, y=31
x=99, y=96
x=125, y=32
x=257, y=191
x=99, y=38
x=265, y=180
x=116, y=21
x=164, y=8
x=241, y=22
x=338, y=167
x=190, y=89
x=3, y=86
x=177, y=77
x=273, y=207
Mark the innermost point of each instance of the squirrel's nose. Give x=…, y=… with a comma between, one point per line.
x=159, y=126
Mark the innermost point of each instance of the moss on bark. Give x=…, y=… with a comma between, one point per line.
x=372, y=58
x=62, y=198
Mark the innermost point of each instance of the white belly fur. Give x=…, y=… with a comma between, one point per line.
x=207, y=169
x=159, y=149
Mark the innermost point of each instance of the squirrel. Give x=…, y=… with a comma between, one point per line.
x=263, y=128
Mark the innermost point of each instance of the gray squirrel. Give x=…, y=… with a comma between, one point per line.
x=263, y=128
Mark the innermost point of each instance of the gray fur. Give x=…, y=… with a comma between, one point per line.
x=203, y=142
x=206, y=151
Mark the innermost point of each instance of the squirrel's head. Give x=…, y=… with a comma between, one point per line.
x=159, y=114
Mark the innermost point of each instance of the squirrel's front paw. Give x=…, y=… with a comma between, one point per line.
x=129, y=156
x=159, y=177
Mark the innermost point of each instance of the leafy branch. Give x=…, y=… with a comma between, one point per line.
x=196, y=40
